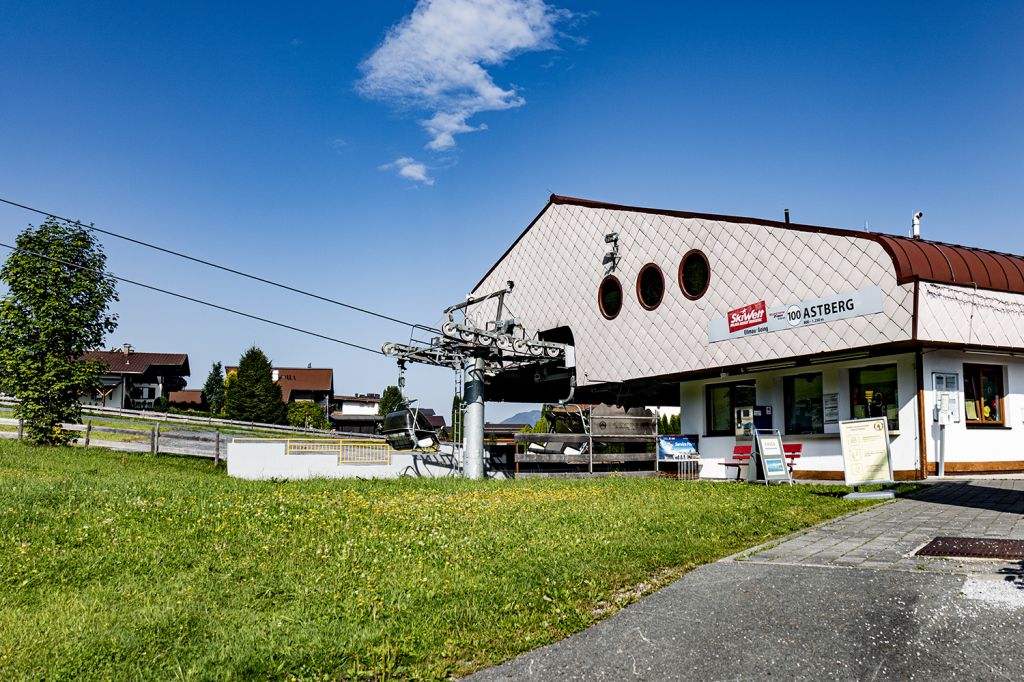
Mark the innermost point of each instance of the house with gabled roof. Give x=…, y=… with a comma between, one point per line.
x=134, y=380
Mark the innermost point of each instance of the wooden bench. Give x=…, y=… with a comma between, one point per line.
x=741, y=456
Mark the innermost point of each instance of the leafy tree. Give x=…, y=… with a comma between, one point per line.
x=252, y=394
x=54, y=311
x=308, y=415
x=457, y=418
x=542, y=425
x=161, y=404
x=214, y=388
x=391, y=400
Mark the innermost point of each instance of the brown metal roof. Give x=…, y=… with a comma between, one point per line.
x=119, y=362
x=913, y=259
x=190, y=396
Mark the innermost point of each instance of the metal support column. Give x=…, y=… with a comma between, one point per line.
x=473, y=452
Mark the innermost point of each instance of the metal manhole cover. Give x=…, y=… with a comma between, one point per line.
x=974, y=548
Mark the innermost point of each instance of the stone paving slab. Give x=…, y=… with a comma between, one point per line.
x=886, y=536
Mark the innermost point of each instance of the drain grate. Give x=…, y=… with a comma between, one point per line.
x=974, y=548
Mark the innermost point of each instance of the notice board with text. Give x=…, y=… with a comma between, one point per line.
x=867, y=458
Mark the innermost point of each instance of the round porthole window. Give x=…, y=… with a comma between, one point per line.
x=650, y=286
x=609, y=297
x=694, y=274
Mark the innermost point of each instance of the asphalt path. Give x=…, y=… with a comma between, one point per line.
x=746, y=618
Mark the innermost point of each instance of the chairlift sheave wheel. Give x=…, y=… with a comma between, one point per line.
x=519, y=346
x=505, y=342
x=450, y=329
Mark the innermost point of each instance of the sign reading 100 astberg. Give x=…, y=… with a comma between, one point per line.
x=757, y=318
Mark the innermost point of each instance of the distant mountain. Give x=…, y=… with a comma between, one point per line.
x=530, y=417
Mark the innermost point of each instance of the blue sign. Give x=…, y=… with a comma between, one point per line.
x=677, y=447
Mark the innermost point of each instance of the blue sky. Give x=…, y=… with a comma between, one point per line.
x=291, y=142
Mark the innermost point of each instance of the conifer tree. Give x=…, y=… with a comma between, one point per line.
x=214, y=388
x=253, y=395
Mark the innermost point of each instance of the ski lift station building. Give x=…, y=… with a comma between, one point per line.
x=742, y=321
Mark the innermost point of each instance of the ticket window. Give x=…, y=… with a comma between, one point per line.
x=722, y=401
x=873, y=393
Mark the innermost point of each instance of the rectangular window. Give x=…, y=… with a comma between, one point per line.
x=873, y=394
x=721, y=401
x=983, y=395
x=805, y=407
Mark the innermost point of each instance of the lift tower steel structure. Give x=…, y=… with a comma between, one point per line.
x=500, y=344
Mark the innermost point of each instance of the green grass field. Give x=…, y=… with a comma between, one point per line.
x=166, y=568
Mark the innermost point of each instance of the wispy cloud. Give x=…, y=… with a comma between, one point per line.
x=411, y=169
x=436, y=60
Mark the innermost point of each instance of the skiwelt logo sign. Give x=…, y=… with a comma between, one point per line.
x=757, y=318
x=747, y=316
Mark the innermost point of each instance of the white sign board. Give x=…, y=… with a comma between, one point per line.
x=757, y=318
x=866, y=455
x=772, y=456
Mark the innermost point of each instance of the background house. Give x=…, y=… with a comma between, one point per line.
x=134, y=380
x=187, y=399
x=356, y=413
x=314, y=384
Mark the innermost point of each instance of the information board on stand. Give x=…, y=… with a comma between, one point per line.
x=867, y=458
x=770, y=462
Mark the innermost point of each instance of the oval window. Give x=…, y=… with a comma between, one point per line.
x=694, y=274
x=650, y=286
x=609, y=297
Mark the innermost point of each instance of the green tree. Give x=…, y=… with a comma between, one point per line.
x=391, y=400
x=54, y=311
x=456, y=418
x=308, y=415
x=252, y=394
x=214, y=388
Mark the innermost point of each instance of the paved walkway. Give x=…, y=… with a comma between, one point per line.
x=846, y=600
x=887, y=536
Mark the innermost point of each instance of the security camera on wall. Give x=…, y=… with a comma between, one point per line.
x=611, y=238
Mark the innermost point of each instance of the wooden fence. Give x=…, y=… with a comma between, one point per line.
x=155, y=440
x=167, y=417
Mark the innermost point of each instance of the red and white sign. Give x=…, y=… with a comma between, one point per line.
x=747, y=316
x=757, y=318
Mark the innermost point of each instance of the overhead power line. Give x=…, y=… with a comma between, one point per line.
x=225, y=268
x=195, y=300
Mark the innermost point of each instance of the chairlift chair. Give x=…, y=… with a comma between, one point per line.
x=407, y=429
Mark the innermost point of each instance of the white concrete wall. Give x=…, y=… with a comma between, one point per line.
x=821, y=452
x=977, y=443
x=265, y=459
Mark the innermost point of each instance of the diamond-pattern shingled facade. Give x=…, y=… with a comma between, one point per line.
x=972, y=317
x=557, y=267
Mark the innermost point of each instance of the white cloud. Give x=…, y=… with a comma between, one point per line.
x=435, y=59
x=410, y=169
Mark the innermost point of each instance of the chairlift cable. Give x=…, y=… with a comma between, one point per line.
x=225, y=268
x=195, y=300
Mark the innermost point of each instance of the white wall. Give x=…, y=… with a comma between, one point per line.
x=353, y=407
x=982, y=443
x=258, y=459
x=821, y=452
